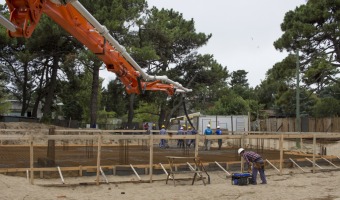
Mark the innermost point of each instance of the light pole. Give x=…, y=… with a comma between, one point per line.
x=298, y=121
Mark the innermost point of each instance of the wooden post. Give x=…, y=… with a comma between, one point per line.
x=242, y=145
x=31, y=161
x=196, y=145
x=98, y=158
x=80, y=170
x=281, y=153
x=314, y=148
x=151, y=157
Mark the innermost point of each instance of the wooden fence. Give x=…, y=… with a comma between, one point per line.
x=331, y=124
x=98, y=136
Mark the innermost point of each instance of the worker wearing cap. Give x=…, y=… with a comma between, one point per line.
x=180, y=142
x=189, y=141
x=219, y=141
x=256, y=160
x=207, y=142
x=163, y=143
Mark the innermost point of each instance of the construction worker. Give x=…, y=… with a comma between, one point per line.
x=252, y=158
x=189, y=141
x=219, y=141
x=163, y=142
x=207, y=143
x=180, y=142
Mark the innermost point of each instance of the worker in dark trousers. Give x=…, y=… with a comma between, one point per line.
x=180, y=142
x=219, y=141
x=256, y=160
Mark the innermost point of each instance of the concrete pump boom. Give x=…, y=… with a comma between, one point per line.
x=75, y=19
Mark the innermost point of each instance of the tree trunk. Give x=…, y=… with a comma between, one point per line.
x=131, y=110
x=94, y=95
x=47, y=109
x=161, y=119
x=39, y=92
x=25, y=99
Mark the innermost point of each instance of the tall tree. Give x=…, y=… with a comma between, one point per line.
x=172, y=39
x=119, y=17
x=313, y=29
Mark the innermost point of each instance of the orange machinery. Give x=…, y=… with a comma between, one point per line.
x=75, y=19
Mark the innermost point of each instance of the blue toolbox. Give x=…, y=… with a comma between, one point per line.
x=241, y=178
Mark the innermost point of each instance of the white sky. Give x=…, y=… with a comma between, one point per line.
x=243, y=31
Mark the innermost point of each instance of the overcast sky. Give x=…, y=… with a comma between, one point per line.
x=243, y=31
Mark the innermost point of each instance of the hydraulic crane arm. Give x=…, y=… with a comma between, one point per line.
x=75, y=19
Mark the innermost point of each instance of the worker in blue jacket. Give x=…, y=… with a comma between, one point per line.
x=207, y=142
x=219, y=141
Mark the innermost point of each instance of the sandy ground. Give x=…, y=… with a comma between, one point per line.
x=291, y=185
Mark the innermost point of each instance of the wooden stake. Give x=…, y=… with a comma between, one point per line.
x=151, y=157
x=196, y=145
x=98, y=158
x=314, y=151
x=281, y=153
x=31, y=160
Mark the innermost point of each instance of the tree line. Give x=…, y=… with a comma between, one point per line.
x=53, y=67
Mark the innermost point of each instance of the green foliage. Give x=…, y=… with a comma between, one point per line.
x=104, y=117
x=4, y=106
x=146, y=112
x=239, y=78
x=313, y=29
x=230, y=104
x=72, y=110
x=327, y=107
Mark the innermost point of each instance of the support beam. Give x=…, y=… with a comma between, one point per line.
x=314, y=163
x=61, y=175
x=222, y=168
x=330, y=162
x=166, y=173
x=296, y=164
x=275, y=167
x=192, y=169
x=103, y=174
x=133, y=169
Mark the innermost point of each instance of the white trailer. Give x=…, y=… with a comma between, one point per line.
x=231, y=123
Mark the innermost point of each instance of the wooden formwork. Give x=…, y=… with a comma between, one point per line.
x=99, y=136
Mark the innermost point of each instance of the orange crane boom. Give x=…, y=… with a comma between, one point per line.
x=75, y=19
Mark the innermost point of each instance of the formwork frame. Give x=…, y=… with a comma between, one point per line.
x=99, y=135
